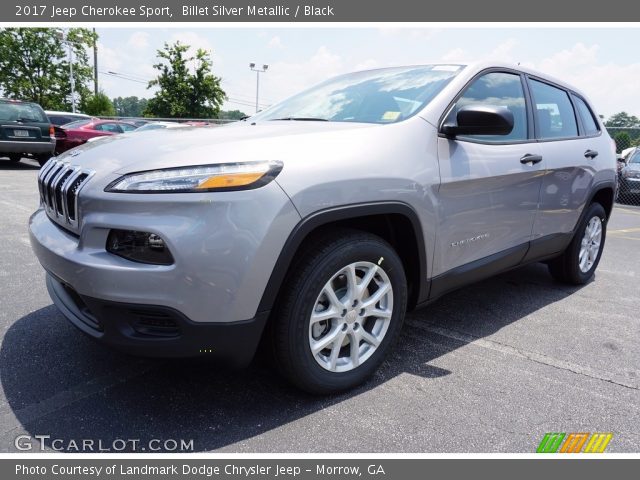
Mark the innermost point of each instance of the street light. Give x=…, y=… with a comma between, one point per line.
x=62, y=35
x=258, y=71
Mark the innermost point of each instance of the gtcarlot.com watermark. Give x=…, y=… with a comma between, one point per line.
x=43, y=443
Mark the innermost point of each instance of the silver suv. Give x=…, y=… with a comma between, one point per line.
x=316, y=224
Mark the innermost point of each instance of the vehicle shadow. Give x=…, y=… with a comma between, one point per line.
x=59, y=383
x=23, y=164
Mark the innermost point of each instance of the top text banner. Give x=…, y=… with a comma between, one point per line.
x=22, y=11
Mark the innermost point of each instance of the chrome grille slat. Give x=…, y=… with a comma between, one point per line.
x=59, y=184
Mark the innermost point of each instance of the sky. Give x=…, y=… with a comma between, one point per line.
x=602, y=62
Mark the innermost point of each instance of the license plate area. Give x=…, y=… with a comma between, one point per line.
x=21, y=133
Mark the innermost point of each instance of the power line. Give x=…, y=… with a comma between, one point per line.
x=122, y=76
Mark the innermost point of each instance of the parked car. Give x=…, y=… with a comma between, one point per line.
x=160, y=125
x=62, y=118
x=629, y=178
x=315, y=225
x=25, y=131
x=76, y=133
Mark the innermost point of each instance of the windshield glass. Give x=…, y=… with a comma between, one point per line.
x=151, y=126
x=22, y=112
x=376, y=96
x=76, y=124
x=634, y=157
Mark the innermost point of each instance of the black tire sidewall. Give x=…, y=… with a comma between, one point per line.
x=307, y=373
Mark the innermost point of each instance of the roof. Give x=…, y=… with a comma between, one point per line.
x=77, y=114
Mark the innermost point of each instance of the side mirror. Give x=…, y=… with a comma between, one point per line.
x=480, y=120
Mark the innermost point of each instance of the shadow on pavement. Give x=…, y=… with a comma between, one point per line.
x=6, y=164
x=58, y=382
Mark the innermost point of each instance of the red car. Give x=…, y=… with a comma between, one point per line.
x=76, y=133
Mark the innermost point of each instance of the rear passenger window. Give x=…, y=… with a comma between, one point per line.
x=586, y=115
x=497, y=89
x=554, y=112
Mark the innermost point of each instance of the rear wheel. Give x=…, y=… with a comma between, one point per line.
x=340, y=311
x=579, y=261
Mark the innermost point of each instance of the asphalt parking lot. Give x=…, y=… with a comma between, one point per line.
x=490, y=368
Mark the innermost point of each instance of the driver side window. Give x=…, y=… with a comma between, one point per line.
x=496, y=89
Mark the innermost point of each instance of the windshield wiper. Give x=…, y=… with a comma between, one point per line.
x=301, y=119
x=28, y=120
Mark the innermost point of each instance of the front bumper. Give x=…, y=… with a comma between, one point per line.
x=34, y=148
x=630, y=185
x=155, y=331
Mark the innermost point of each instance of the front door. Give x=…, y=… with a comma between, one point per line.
x=490, y=185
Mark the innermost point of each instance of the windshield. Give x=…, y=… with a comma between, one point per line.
x=22, y=112
x=76, y=124
x=376, y=96
x=151, y=126
x=634, y=157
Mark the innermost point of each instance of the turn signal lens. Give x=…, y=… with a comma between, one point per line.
x=143, y=247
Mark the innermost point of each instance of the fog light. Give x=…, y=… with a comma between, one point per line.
x=143, y=247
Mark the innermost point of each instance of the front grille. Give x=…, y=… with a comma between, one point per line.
x=59, y=184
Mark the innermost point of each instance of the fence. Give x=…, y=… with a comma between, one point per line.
x=627, y=143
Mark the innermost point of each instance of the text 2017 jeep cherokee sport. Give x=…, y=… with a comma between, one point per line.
x=317, y=223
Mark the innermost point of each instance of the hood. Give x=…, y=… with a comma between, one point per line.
x=237, y=142
x=631, y=166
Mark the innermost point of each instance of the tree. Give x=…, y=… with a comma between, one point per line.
x=624, y=120
x=183, y=94
x=130, y=106
x=623, y=140
x=34, y=65
x=232, y=115
x=98, y=105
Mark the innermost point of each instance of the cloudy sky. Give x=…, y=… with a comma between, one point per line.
x=602, y=62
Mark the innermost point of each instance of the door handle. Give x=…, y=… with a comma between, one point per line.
x=591, y=154
x=532, y=159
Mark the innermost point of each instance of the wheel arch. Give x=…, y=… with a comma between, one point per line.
x=604, y=194
x=380, y=218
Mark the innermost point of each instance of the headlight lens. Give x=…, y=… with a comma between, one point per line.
x=205, y=178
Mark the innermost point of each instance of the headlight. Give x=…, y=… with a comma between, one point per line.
x=631, y=173
x=205, y=178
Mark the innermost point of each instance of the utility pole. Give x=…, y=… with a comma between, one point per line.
x=63, y=36
x=95, y=62
x=258, y=71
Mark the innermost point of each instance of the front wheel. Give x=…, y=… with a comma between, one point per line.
x=42, y=159
x=341, y=310
x=15, y=157
x=579, y=261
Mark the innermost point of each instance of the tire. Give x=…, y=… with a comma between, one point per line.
x=305, y=292
x=567, y=268
x=15, y=157
x=42, y=159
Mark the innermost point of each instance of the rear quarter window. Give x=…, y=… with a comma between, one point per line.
x=586, y=116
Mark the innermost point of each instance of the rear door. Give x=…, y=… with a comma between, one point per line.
x=489, y=191
x=573, y=147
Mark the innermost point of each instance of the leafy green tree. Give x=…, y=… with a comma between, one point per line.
x=623, y=140
x=183, y=94
x=623, y=119
x=98, y=105
x=34, y=65
x=130, y=106
x=231, y=115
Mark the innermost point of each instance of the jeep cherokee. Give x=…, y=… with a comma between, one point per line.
x=316, y=224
